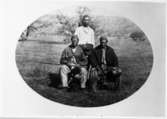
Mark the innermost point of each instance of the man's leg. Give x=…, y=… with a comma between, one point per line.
x=84, y=77
x=64, y=70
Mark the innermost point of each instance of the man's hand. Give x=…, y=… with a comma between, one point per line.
x=73, y=64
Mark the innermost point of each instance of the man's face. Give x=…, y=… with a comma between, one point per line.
x=103, y=43
x=74, y=41
x=85, y=21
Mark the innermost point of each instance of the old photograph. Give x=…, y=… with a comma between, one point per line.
x=83, y=58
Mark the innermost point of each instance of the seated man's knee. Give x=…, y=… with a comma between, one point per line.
x=83, y=70
x=117, y=72
x=64, y=69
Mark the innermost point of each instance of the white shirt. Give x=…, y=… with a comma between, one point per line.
x=85, y=35
x=74, y=49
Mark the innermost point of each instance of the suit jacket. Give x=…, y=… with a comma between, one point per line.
x=95, y=58
x=67, y=54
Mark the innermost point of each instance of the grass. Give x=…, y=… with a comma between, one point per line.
x=38, y=64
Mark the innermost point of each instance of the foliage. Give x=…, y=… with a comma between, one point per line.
x=68, y=24
x=138, y=36
x=59, y=24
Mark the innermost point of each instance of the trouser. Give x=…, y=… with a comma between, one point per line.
x=110, y=78
x=65, y=70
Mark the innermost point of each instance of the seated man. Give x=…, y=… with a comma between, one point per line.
x=73, y=60
x=105, y=62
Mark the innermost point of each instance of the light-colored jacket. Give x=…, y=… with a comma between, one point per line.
x=68, y=54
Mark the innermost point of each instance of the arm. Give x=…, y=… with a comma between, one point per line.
x=114, y=58
x=93, y=38
x=76, y=32
x=64, y=59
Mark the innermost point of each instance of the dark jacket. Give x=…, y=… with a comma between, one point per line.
x=79, y=56
x=96, y=56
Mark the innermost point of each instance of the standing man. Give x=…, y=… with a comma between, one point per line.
x=85, y=34
x=73, y=58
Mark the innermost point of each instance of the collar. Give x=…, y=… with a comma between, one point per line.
x=102, y=48
x=86, y=27
x=70, y=46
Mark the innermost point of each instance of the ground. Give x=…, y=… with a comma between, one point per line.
x=38, y=63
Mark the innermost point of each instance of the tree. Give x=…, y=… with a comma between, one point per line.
x=35, y=26
x=68, y=24
x=138, y=36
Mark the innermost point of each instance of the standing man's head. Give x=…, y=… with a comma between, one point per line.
x=74, y=41
x=85, y=20
x=103, y=41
